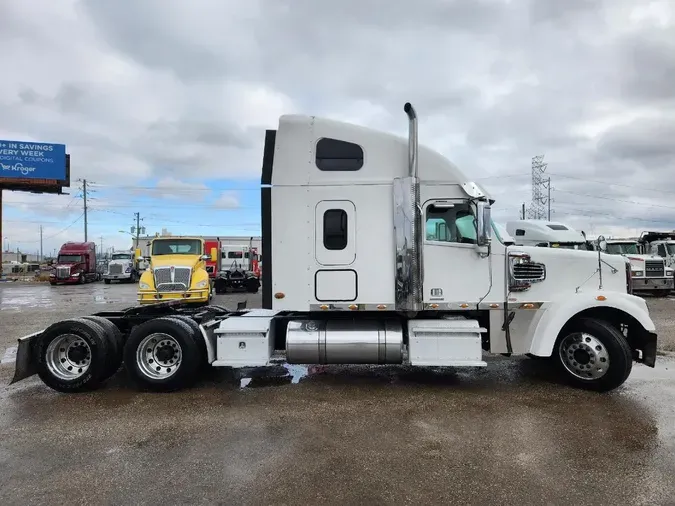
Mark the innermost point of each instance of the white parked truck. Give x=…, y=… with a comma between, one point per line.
x=332, y=193
x=649, y=271
x=122, y=267
x=546, y=234
x=660, y=244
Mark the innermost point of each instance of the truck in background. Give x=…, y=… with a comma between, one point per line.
x=238, y=270
x=661, y=244
x=649, y=271
x=442, y=301
x=546, y=234
x=75, y=264
x=123, y=266
x=177, y=271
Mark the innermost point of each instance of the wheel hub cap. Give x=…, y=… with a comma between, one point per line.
x=68, y=357
x=159, y=356
x=584, y=356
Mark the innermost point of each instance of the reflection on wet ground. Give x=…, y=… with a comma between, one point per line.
x=505, y=434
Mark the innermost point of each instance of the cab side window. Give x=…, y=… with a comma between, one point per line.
x=451, y=224
x=662, y=250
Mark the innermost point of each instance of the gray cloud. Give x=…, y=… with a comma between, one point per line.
x=158, y=89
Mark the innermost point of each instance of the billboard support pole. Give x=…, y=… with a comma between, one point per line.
x=2, y=245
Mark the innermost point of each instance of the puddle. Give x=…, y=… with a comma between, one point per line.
x=274, y=376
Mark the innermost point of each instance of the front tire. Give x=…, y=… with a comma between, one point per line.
x=163, y=355
x=106, y=281
x=593, y=355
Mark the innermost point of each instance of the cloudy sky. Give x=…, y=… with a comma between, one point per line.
x=163, y=103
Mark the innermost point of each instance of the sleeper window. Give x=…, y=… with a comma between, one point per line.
x=335, y=229
x=451, y=224
x=335, y=155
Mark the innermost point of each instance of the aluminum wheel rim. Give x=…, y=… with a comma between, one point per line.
x=68, y=357
x=159, y=356
x=584, y=356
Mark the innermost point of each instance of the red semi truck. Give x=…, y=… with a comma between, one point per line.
x=76, y=264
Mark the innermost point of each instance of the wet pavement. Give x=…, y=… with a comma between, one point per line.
x=506, y=434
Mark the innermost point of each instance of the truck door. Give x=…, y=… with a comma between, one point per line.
x=335, y=280
x=454, y=271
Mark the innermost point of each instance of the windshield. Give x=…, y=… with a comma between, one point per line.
x=177, y=247
x=121, y=256
x=70, y=259
x=622, y=248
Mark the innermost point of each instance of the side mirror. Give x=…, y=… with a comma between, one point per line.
x=206, y=258
x=483, y=224
x=601, y=243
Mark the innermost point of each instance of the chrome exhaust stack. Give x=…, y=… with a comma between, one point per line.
x=408, y=227
x=412, y=139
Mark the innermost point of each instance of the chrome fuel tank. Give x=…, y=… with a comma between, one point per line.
x=344, y=342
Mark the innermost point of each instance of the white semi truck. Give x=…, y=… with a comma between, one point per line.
x=546, y=234
x=122, y=267
x=660, y=244
x=332, y=193
x=650, y=272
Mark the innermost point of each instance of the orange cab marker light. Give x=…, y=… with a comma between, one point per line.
x=463, y=305
x=601, y=297
x=381, y=306
x=353, y=306
x=279, y=295
x=494, y=306
x=324, y=306
x=528, y=306
x=433, y=306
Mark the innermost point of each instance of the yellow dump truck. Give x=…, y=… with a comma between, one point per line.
x=177, y=270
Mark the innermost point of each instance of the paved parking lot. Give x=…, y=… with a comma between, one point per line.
x=349, y=435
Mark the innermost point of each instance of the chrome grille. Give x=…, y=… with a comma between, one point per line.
x=654, y=269
x=63, y=272
x=179, y=283
x=115, y=269
x=529, y=271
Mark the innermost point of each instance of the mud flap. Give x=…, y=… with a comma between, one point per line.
x=25, y=365
x=648, y=347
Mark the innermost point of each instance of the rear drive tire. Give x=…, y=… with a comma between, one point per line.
x=594, y=355
x=116, y=344
x=199, y=339
x=106, y=281
x=252, y=285
x=72, y=355
x=162, y=355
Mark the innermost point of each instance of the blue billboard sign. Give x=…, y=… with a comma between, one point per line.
x=32, y=160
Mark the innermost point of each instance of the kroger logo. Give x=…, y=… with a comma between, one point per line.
x=18, y=167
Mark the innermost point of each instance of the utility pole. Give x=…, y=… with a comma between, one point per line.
x=84, y=193
x=137, y=229
x=101, y=250
x=41, y=256
x=522, y=212
x=548, y=200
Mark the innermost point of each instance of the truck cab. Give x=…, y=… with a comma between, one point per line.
x=546, y=234
x=177, y=271
x=649, y=271
x=122, y=267
x=75, y=264
x=238, y=269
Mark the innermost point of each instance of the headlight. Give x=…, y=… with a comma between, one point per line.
x=669, y=272
x=202, y=284
x=638, y=273
x=127, y=270
x=143, y=286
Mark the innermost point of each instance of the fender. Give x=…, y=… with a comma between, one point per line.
x=560, y=312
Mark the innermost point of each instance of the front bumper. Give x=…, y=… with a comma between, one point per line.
x=117, y=276
x=190, y=296
x=650, y=284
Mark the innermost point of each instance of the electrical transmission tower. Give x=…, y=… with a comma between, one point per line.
x=540, y=207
